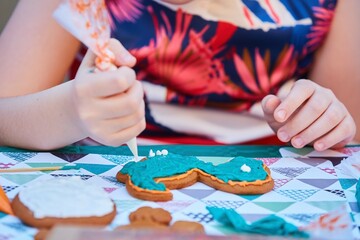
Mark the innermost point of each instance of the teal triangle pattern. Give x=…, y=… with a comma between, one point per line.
x=250, y=197
x=326, y=205
x=42, y=164
x=20, y=179
x=95, y=168
x=347, y=182
x=274, y=206
x=118, y=159
x=19, y=156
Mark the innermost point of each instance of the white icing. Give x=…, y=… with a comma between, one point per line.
x=132, y=144
x=151, y=153
x=245, y=168
x=64, y=198
x=163, y=152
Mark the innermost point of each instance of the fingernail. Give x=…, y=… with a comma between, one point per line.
x=283, y=136
x=298, y=142
x=281, y=114
x=320, y=146
x=129, y=58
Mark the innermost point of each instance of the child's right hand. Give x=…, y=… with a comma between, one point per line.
x=109, y=105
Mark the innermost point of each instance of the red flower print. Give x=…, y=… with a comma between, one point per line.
x=192, y=69
x=320, y=28
x=266, y=81
x=124, y=10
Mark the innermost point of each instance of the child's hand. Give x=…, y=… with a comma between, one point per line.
x=109, y=105
x=309, y=114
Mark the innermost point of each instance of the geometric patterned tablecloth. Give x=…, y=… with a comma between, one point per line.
x=307, y=185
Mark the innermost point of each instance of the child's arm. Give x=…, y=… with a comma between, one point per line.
x=325, y=112
x=35, y=51
x=106, y=106
x=36, y=112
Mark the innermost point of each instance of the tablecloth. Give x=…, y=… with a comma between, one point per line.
x=307, y=184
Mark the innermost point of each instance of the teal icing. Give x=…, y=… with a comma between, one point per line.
x=271, y=225
x=143, y=173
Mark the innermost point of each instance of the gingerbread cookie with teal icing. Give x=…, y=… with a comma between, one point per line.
x=153, y=178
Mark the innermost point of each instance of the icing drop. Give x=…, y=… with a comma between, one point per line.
x=245, y=168
x=151, y=153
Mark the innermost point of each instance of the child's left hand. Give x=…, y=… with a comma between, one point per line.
x=309, y=114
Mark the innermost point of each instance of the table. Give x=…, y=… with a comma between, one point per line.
x=307, y=183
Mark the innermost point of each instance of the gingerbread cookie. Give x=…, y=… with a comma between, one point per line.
x=158, y=219
x=66, y=201
x=153, y=178
x=148, y=214
x=187, y=227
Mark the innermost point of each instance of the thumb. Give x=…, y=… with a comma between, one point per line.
x=122, y=56
x=269, y=104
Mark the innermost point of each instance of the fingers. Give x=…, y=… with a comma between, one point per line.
x=329, y=120
x=114, y=125
x=109, y=105
x=305, y=116
x=105, y=84
x=345, y=130
x=269, y=104
x=114, y=132
x=122, y=55
x=122, y=136
x=121, y=104
x=301, y=91
x=311, y=114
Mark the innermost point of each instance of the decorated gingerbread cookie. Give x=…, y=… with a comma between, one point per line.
x=153, y=178
x=69, y=201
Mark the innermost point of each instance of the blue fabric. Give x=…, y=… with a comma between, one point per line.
x=270, y=225
x=219, y=64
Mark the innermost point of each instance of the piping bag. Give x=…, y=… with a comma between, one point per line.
x=88, y=21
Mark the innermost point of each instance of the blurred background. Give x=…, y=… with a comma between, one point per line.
x=6, y=8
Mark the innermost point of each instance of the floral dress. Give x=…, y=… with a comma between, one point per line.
x=205, y=65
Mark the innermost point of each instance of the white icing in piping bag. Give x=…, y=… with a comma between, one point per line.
x=88, y=21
